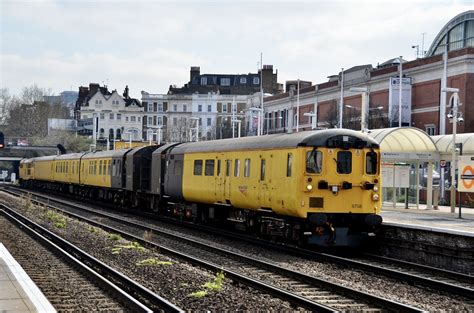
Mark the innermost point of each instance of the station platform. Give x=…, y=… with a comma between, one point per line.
x=440, y=220
x=18, y=293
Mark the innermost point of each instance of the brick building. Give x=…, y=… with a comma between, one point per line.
x=422, y=99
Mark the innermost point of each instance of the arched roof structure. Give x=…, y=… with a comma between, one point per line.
x=403, y=140
x=444, y=143
x=458, y=33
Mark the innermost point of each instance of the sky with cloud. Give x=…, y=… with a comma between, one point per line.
x=149, y=45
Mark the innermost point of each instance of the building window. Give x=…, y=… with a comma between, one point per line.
x=102, y=116
x=133, y=118
x=175, y=108
x=175, y=121
x=234, y=108
x=139, y=118
x=100, y=101
x=203, y=80
x=126, y=118
x=160, y=107
x=150, y=120
x=209, y=108
x=96, y=101
x=224, y=107
x=119, y=116
x=200, y=108
x=225, y=81
x=243, y=80
x=185, y=108
x=160, y=121
x=256, y=80
x=150, y=107
x=430, y=129
x=111, y=116
x=209, y=121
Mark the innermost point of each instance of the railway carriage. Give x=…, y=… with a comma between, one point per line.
x=322, y=185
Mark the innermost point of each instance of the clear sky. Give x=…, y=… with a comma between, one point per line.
x=150, y=45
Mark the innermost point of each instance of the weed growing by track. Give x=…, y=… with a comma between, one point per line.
x=211, y=286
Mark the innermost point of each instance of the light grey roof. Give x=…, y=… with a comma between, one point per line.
x=315, y=138
x=70, y=156
x=105, y=154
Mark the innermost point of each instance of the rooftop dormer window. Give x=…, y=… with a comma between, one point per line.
x=243, y=80
x=203, y=80
x=256, y=80
x=225, y=81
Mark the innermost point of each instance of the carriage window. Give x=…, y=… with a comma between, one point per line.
x=288, y=164
x=344, y=162
x=209, y=170
x=371, y=163
x=198, y=167
x=228, y=166
x=314, y=161
x=262, y=169
x=109, y=168
x=104, y=168
x=178, y=167
x=67, y=167
x=247, y=168
x=218, y=167
x=100, y=167
x=237, y=168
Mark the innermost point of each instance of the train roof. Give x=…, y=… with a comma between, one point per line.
x=106, y=154
x=70, y=156
x=316, y=138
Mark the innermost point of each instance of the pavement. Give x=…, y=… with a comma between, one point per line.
x=18, y=293
x=435, y=220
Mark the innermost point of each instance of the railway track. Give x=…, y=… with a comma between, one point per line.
x=102, y=284
x=297, y=288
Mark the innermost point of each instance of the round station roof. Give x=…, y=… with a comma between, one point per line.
x=403, y=140
x=444, y=143
x=458, y=33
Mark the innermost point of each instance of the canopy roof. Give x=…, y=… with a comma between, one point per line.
x=403, y=140
x=444, y=143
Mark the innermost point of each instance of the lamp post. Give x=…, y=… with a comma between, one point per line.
x=453, y=116
x=240, y=124
x=364, y=91
x=400, y=95
x=314, y=117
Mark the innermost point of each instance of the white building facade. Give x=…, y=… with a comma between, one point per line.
x=114, y=117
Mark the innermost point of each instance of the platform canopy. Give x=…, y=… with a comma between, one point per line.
x=444, y=143
x=405, y=143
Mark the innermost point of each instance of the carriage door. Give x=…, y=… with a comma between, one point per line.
x=265, y=183
x=219, y=179
x=226, y=178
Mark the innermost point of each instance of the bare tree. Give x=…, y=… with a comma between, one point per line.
x=30, y=94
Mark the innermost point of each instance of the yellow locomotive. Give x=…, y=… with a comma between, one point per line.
x=320, y=187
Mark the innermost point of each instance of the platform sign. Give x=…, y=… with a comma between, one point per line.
x=395, y=175
x=466, y=171
x=387, y=174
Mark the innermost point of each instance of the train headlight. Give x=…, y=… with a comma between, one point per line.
x=375, y=197
x=376, y=188
x=309, y=187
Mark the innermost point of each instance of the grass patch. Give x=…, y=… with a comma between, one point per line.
x=198, y=294
x=57, y=220
x=211, y=286
x=92, y=229
x=132, y=246
x=115, y=237
x=153, y=262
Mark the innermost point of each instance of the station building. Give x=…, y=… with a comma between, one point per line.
x=423, y=102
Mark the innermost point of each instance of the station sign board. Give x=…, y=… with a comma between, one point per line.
x=466, y=173
x=395, y=175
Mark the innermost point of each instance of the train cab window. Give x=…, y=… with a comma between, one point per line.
x=314, y=162
x=289, y=160
x=371, y=163
x=198, y=167
x=218, y=168
x=247, y=168
x=237, y=168
x=344, y=162
x=228, y=167
x=209, y=170
x=262, y=169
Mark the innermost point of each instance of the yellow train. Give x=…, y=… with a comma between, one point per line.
x=320, y=187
